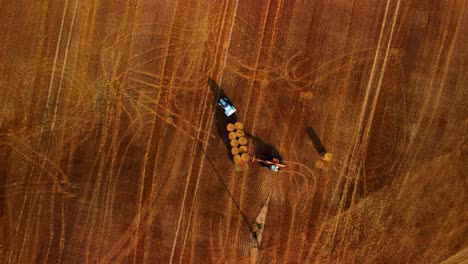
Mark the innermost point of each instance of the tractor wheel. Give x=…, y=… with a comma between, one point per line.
x=237, y=159
x=243, y=149
x=232, y=135
x=235, y=151
x=230, y=127
x=234, y=143
x=242, y=141
x=239, y=125
x=240, y=133
x=245, y=157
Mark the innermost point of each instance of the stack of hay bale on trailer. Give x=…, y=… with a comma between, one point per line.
x=238, y=143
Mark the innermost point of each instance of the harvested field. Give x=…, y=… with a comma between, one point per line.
x=113, y=148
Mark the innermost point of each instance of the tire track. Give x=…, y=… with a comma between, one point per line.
x=54, y=119
x=51, y=82
x=210, y=125
x=350, y=162
x=257, y=60
x=368, y=126
x=246, y=105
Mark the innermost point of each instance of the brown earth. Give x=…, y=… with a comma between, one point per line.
x=111, y=150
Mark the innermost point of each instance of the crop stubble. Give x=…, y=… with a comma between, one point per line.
x=108, y=152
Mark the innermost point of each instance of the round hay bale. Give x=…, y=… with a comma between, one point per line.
x=242, y=149
x=234, y=143
x=232, y=135
x=242, y=141
x=230, y=127
x=238, y=125
x=319, y=164
x=235, y=151
x=245, y=157
x=240, y=133
x=327, y=156
x=237, y=159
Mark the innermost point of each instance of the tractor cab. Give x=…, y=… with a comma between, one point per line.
x=274, y=164
x=227, y=106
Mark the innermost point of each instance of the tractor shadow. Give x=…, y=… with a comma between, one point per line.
x=263, y=150
x=221, y=120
